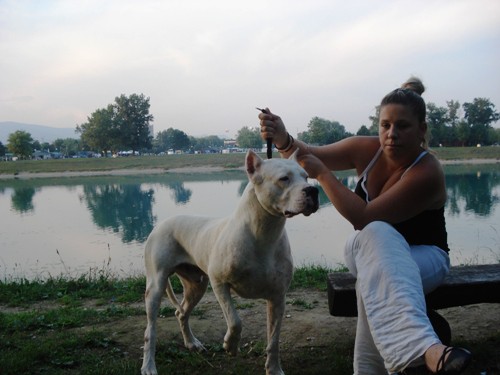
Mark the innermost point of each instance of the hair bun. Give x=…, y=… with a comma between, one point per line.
x=414, y=84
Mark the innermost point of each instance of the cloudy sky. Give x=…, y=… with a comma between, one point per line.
x=206, y=65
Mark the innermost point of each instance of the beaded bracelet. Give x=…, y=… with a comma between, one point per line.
x=288, y=146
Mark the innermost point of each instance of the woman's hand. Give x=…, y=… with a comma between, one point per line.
x=272, y=127
x=313, y=166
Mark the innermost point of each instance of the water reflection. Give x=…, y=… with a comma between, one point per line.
x=124, y=209
x=87, y=216
x=117, y=206
x=181, y=195
x=123, y=206
x=22, y=199
x=476, y=190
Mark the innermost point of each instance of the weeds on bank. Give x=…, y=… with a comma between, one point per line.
x=58, y=325
x=103, y=287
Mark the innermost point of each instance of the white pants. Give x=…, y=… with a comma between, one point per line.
x=393, y=330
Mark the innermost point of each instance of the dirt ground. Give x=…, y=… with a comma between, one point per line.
x=308, y=327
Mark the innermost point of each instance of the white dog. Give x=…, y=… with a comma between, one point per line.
x=247, y=252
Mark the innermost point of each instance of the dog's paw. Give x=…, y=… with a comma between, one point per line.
x=149, y=370
x=195, y=345
x=231, y=346
x=274, y=370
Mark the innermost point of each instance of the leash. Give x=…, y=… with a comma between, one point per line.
x=269, y=141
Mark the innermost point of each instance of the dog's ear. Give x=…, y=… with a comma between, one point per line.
x=294, y=155
x=252, y=162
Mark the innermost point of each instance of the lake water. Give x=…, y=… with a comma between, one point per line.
x=76, y=225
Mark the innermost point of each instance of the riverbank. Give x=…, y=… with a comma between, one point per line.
x=188, y=168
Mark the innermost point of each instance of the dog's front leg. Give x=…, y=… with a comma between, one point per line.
x=275, y=312
x=232, y=338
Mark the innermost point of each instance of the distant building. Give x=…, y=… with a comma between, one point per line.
x=229, y=143
x=41, y=155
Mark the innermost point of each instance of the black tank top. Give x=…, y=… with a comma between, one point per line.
x=425, y=228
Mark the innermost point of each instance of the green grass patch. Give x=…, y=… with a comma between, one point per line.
x=233, y=160
x=105, y=288
x=464, y=153
x=62, y=317
x=71, y=291
x=313, y=276
x=64, y=352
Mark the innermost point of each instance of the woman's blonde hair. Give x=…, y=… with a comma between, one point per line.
x=410, y=94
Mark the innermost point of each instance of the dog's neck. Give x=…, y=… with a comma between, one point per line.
x=259, y=219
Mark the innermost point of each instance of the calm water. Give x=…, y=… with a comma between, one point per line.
x=76, y=225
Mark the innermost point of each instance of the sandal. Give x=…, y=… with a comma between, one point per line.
x=458, y=359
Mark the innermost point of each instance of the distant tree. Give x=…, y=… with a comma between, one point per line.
x=480, y=114
x=68, y=146
x=35, y=145
x=496, y=136
x=453, y=112
x=462, y=133
x=2, y=149
x=321, y=132
x=171, y=138
x=437, y=120
x=375, y=121
x=161, y=142
x=249, y=138
x=211, y=142
x=46, y=146
x=363, y=130
x=100, y=132
x=122, y=125
x=19, y=143
x=132, y=117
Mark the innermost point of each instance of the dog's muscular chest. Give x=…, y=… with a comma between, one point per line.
x=257, y=277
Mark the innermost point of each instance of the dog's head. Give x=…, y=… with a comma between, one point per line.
x=281, y=186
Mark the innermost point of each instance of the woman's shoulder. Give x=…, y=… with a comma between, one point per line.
x=363, y=150
x=359, y=144
x=428, y=174
x=431, y=161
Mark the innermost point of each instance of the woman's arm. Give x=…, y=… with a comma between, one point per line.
x=421, y=189
x=349, y=153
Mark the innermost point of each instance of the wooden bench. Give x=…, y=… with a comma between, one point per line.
x=465, y=285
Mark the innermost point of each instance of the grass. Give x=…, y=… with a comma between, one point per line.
x=58, y=326
x=103, y=286
x=73, y=326
x=233, y=160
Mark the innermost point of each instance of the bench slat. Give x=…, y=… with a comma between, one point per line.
x=463, y=286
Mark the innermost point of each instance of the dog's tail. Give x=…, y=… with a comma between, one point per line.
x=173, y=299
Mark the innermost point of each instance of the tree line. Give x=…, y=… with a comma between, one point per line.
x=126, y=125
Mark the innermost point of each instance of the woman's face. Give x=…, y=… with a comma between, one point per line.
x=400, y=131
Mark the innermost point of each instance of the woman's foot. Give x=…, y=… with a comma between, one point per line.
x=447, y=360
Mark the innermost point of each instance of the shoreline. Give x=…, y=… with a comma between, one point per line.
x=153, y=171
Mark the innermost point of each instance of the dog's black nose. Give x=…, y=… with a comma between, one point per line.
x=312, y=193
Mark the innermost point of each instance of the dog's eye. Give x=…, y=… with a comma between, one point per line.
x=284, y=179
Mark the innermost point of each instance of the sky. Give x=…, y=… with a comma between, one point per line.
x=206, y=65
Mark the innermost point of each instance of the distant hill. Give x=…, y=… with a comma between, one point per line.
x=40, y=133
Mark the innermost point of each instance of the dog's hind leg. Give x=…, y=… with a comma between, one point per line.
x=275, y=312
x=194, y=282
x=155, y=288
